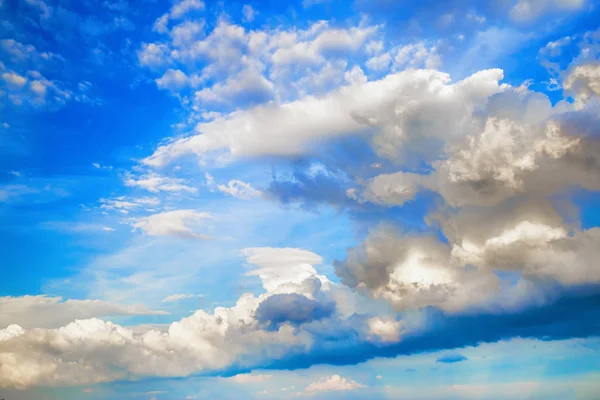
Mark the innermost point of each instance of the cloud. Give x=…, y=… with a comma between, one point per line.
x=249, y=13
x=234, y=187
x=125, y=204
x=18, y=51
x=153, y=55
x=333, y=383
x=91, y=351
x=153, y=182
x=179, y=296
x=14, y=79
x=385, y=329
x=528, y=10
x=43, y=311
x=182, y=7
x=584, y=81
x=31, y=87
x=278, y=267
x=15, y=192
x=172, y=80
x=413, y=272
x=250, y=378
x=178, y=223
x=179, y=9
x=105, y=351
x=228, y=65
x=451, y=358
x=185, y=33
x=248, y=87
x=292, y=308
x=350, y=110
x=476, y=150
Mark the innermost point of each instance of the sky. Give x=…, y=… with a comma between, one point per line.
x=318, y=199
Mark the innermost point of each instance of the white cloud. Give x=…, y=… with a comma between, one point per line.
x=31, y=87
x=327, y=41
x=235, y=188
x=333, y=383
x=184, y=34
x=173, y=80
x=279, y=267
x=155, y=183
x=125, y=204
x=384, y=329
x=153, y=55
x=413, y=272
x=50, y=312
x=417, y=55
x=173, y=223
x=250, y=85
x=380, y=62
x=352, y=109
x=528, y=10
x=92, y=351
x=355, y=76
x=182, y=7
x=161, y=24
x=18, y=51
x=260, y=65
x=178, y=11
x=178, y=297
x=249, y=13
x=250, y=378
x=14, y=79
x=584, y=81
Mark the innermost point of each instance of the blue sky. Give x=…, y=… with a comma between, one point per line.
x=311, y=199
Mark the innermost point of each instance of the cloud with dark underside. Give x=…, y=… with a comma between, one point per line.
x=451, y=358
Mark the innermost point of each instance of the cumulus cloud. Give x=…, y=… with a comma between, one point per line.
x=93, y=351
x=349, y=110
x=333, y=383
x=519, y=146
x=584, y=81
x=14, y=79
x=202, y=342
x=413, y=272
x=172, y=80
x=153, y=55
x=293, y=308
x=386, y=330
x=235, y=67
x=180, y=223
x=280, y=267
x=182, y=7
x=179, y=9
x=250, y=86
